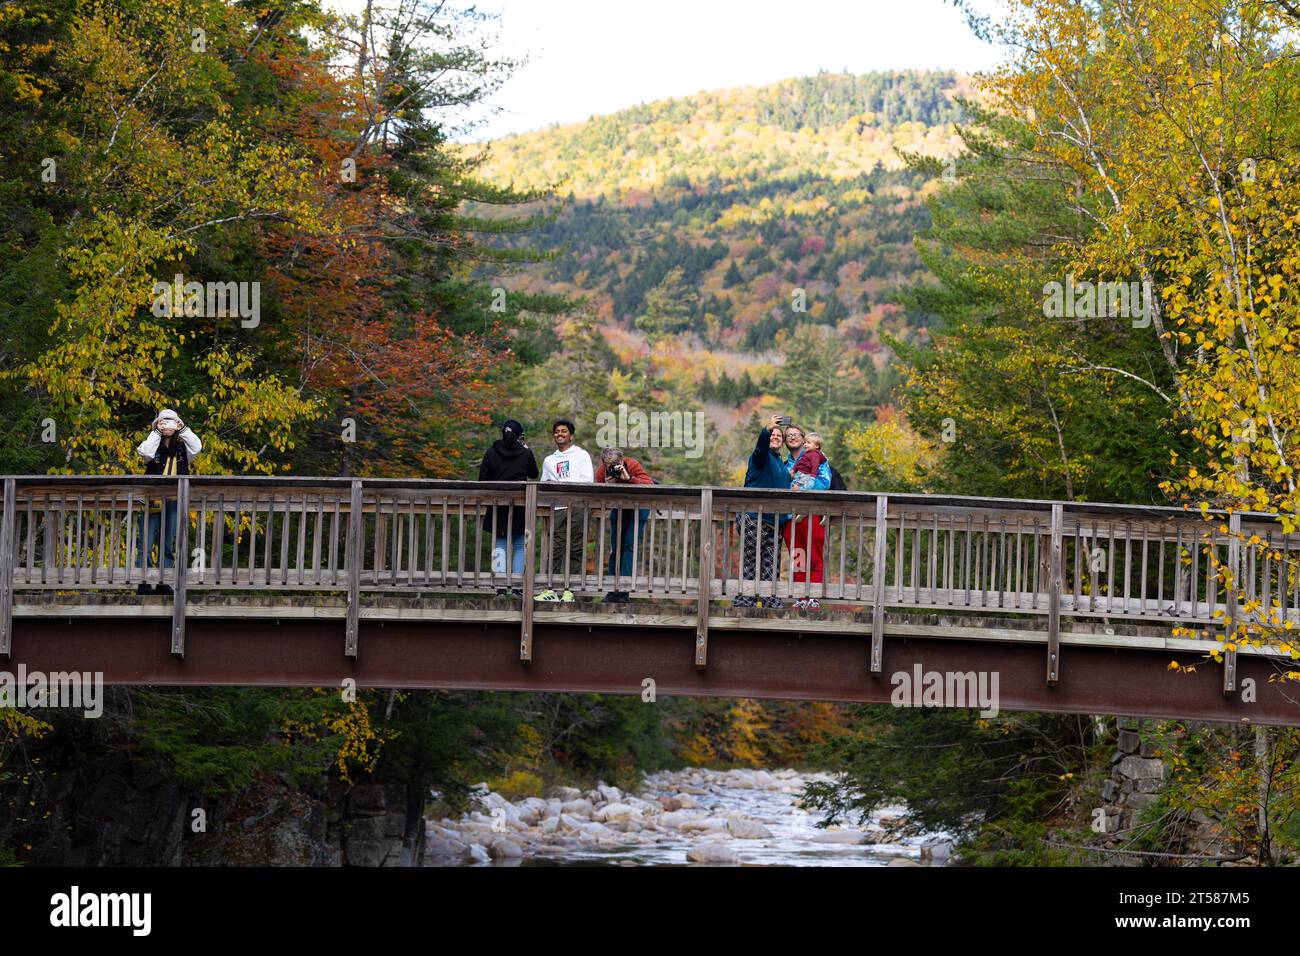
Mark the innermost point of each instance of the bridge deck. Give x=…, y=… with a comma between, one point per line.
x=831, y=619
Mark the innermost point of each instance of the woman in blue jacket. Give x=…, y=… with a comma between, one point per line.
x=761, y=541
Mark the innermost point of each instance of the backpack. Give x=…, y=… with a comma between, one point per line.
x=837, y=482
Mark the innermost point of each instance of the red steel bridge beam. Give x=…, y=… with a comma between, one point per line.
x=620, y=658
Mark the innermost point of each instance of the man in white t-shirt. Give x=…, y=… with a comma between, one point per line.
x=567, y=463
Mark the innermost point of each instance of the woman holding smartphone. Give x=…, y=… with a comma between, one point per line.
x=760, y=539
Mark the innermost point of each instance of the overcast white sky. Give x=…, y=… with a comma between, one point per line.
x=597, y=56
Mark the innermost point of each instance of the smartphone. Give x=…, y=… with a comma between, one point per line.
x=785, y=421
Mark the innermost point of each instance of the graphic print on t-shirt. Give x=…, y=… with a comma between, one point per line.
x=562, y=468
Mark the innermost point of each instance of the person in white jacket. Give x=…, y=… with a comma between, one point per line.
x=567, y=463
x=167, y=450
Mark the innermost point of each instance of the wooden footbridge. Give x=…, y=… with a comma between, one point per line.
x=1077, y=607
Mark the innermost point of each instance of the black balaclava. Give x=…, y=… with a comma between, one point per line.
x=511, y=432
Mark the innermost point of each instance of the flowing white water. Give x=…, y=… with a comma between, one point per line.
x=737, y=817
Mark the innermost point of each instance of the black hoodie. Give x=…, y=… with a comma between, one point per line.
x=504, y=462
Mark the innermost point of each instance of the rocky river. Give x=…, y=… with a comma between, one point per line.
x=695, y=817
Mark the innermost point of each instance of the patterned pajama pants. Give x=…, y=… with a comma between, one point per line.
x=760, y=546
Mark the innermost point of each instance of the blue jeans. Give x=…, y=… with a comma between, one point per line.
x=516, y=553
x=629, y=529
x=149, y=536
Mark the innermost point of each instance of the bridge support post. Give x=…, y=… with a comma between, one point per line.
x=356, y=557
x=706, y=578
x=1230, y=618
x=7, y=531
x=878, y=585
x=182, y=563
x=530, y=572
x=1054, y=598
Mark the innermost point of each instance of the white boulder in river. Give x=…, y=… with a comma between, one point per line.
x=675, y=818
x=505, y=850
x=712, y=853
x=616, y=812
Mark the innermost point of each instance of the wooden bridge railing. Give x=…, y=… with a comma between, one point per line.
x=351, y=536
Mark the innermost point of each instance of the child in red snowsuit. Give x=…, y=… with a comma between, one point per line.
x=805, y=469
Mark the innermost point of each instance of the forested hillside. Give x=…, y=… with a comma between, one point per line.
x=742, y=243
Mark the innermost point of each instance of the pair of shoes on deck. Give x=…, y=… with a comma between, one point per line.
x=161, y=588
x=510, y=592
x=808, y=604
x=749, y=600
x=618, y=597
x=550, y=595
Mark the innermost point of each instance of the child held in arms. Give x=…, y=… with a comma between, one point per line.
x=805, y=469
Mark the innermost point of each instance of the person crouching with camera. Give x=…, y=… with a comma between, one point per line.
x=625, y=524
